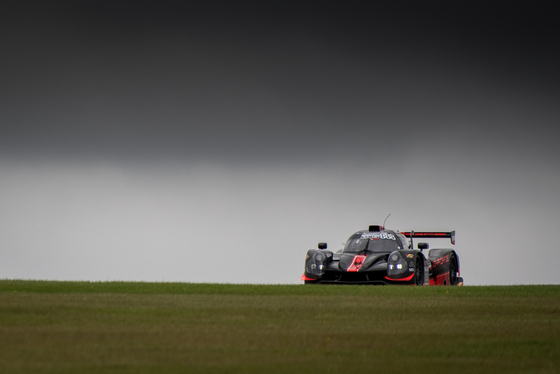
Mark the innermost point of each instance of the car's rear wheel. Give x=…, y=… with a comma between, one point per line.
x=418, y=278
x=453, y=270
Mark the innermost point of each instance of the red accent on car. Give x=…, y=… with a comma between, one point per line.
x=417, y=234
x=441, y=261
x=402, y=279
x=443, y=279
x=304, y=278
x=357, y=263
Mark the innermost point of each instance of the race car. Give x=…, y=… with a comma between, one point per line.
x=380, y=256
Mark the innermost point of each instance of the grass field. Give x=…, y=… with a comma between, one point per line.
x=126, y=327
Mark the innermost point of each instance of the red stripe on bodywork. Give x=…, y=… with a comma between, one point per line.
x=400, y=280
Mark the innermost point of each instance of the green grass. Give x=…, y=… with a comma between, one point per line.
x=128, y=327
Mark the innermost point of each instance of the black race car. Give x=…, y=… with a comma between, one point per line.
x=379, y=256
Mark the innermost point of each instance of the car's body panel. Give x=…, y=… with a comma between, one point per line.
x=379, y=256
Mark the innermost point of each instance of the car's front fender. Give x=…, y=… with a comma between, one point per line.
x=401, y=265
x=316, y=262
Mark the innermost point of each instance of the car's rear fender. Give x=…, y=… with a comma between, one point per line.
x=440, y=260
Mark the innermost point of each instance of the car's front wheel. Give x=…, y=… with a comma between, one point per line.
x=418, y=278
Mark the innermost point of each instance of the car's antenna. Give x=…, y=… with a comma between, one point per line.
x=385, y=221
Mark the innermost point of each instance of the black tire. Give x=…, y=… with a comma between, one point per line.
x=453, y=270
x=311, y=281
x=418, y=279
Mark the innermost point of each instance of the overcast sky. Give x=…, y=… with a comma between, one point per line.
x=218, y=141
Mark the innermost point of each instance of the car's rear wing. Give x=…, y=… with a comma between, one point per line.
x=431, y=234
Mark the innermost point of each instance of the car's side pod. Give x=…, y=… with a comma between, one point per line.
x=445, y=267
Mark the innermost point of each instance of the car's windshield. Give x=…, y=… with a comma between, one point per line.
x=371, y=242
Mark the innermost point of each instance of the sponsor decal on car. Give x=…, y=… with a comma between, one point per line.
x=378, y=235
x=441, y=261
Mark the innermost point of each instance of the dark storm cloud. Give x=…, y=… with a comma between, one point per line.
x=137, y=137
x=245, y=80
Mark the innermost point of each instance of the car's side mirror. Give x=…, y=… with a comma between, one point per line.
x=322, y=245
x=422, y=246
